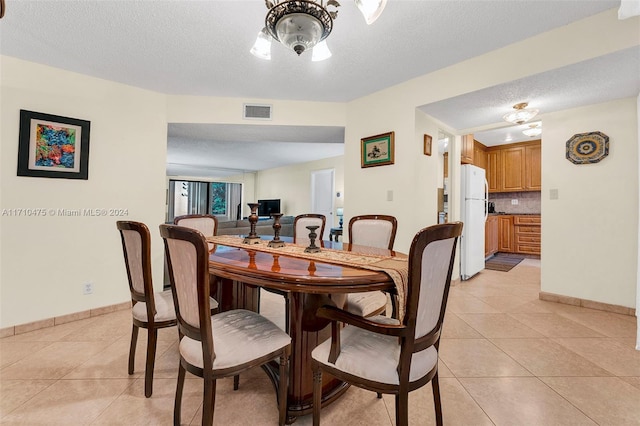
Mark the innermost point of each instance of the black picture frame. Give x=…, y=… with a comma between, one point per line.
x=53, y=146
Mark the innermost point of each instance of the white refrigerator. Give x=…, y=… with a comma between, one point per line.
x=474, y=190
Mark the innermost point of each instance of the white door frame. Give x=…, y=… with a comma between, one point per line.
x=320, y=189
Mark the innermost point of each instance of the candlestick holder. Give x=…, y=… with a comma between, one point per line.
x=276, y=242
x=253, y=237
x=312, y=237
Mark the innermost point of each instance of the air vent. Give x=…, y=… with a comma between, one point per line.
x=257, y=112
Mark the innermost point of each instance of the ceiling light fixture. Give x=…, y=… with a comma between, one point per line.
x=301, y=25
x=521, y=114
x=534, y=130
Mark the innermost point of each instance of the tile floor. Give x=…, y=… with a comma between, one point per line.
x=507, y=358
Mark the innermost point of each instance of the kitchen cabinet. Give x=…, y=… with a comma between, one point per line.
x=533, y=167
x=479, y=155
x=446, y=164
x=515, y=167
x=505, y=234
x=466, y=155
x=494, y=174
x=491, y=236
x=526, y=230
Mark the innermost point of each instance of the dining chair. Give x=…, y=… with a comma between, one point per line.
x=300, y=223
x=386, y=355
x=149, y=310
x=207, y=224
x=373, y=231
x=221, y=345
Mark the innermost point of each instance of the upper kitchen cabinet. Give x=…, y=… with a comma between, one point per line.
x=466, y=156
x=479, y=155
x=514, y=167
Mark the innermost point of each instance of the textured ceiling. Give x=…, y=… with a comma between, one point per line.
x=202, y=48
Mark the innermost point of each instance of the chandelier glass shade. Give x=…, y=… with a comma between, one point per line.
x=534, y=130
x=301, y=25
x=521, y=114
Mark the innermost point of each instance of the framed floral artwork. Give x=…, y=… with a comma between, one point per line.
x=377, y=150
x=53, y=146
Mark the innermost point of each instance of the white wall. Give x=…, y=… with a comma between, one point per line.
x=292, y=184
x=589, y=234
x=45, y=260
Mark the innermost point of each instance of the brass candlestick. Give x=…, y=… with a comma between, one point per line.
x=276, y=242
x=312, y=237
x=253, y=237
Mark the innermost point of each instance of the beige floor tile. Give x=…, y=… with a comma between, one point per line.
x=498, y=325
x=17, y=392
x=112, y=327
x=469, y=304
x=12, y=351
x=522, y=401
x=635, y=381
x=609, y=324
x=59, y=359
x=443, y=370
x=610, y=354
x=50, y=334
x=478, y=358
x=606, y=400
x=458, y=408
x=554, y=325
x=536, y=306
x=68, y=402
x=506, y=303
x=113, y=361
x=357, y=407
x=455, y=328
x=543, y=357
x=133, y=408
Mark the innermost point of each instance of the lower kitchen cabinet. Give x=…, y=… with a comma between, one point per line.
x=491, y=236
x=505, y=234
x=527, y=234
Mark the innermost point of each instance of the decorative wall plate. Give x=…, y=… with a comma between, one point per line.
x=587, y=148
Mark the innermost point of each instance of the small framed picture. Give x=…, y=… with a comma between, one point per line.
x=427, y=144
x=377, y=150
x=53, y=146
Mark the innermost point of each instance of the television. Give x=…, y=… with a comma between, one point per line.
x=268, y=206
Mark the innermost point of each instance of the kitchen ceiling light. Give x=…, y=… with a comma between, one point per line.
x=533, y=130
x=521, y=114
x=303, y=24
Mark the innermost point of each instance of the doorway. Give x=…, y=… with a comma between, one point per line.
x=322, y=189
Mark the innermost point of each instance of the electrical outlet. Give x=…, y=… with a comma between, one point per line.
x=514, y=202
x=87, y=288
x=553, y=194
x=390, y=195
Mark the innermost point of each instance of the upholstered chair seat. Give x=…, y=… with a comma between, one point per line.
x=367, y=303
x=240, y=337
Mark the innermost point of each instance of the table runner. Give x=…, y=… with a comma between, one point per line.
x=397, y=269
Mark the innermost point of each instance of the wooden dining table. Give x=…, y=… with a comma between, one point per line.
x=240, y=271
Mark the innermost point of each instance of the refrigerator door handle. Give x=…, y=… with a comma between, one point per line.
x=486, y=200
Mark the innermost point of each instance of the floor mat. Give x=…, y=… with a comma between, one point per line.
x=502, y=262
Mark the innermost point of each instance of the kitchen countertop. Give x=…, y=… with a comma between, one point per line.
x=514, y=214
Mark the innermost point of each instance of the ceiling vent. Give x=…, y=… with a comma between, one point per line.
x=257, y=112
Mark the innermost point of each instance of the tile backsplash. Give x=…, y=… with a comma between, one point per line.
x=528, y=202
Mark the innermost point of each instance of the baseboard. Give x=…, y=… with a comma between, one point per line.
x=63, y=319
x=585, y=303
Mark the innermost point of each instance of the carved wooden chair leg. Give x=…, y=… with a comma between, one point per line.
x=152, y=339
x=209, y=401
x=236, y=382
x=132, y=348
x=282, y=387
x=402, y=408
x=178, y=401
x=436, y=399
x=379, y=395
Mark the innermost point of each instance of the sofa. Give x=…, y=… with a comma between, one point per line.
x=263, y=227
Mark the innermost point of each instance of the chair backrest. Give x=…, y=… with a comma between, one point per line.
x=188, y=261
x=136, y=246
x=205, y=223
x=373, y=230
x=431, y=259
x=300, y=223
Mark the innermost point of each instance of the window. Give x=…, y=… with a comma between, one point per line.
x=220, y=199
